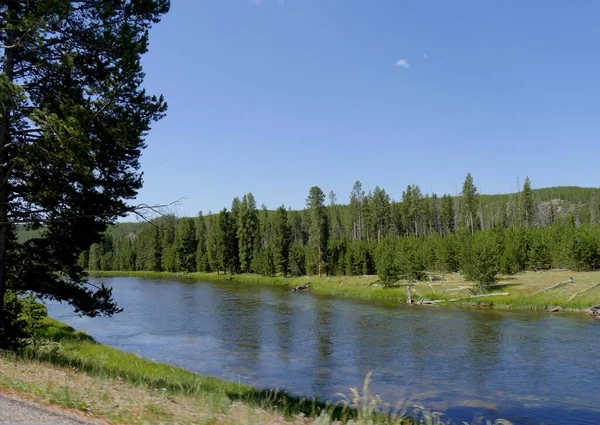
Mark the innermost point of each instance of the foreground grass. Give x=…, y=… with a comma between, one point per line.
x=124, y=388
x=451, y=288
x=69, y=369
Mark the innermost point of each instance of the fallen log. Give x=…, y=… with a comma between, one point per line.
x=570, y=280
x=302, y=288
x=497, y=294
x=554, y=309
x=585, y=290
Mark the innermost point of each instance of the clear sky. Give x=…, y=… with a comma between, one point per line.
x=275, y=96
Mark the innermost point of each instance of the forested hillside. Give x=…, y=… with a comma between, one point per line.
x=473, y=233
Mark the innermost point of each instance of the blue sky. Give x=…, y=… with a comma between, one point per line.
x=275, y=96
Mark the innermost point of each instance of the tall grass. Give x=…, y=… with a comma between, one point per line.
x=61, y=345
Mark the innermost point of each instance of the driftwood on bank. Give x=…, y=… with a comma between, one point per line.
x=594, y=311
x=585, y=290
x=570, y=280
x=452, y=300
x=302, y=288
x=557, y=309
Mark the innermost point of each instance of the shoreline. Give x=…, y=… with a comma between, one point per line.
x=85, y=366
x=528, y=291
x=70, y=370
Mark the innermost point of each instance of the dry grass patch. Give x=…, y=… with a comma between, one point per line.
x=119, y=402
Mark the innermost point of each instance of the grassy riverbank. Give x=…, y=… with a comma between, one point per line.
x=523, y=289
x=68, y=368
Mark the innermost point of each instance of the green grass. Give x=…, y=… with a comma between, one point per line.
x=73, y=349
x=521, y=288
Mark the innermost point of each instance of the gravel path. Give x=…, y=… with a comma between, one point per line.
x=16, y=411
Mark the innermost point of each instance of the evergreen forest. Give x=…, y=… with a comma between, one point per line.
x=481, y=236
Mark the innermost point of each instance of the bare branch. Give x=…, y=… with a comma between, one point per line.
x=139, y=210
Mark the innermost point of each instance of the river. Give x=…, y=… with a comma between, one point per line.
x=528, y=368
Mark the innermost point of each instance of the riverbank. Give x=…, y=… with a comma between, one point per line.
x=523, y=291
x=69, y=369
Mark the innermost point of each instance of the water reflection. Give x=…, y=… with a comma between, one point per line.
x=528, y=368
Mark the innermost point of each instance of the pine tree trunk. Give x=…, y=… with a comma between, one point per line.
x=5, y=163
x=472, y=228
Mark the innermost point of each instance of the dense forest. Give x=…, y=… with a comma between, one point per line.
x=479, y=235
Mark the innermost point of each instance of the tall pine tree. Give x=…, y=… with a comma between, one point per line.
x=247, y=231
x=282, y=240
x=319, y=229
x=186, y=244
x=73, y=118
x=469, y=203
x=528, y=204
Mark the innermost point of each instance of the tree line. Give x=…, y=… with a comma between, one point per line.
x=372, y=234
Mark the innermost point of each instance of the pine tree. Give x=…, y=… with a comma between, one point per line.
x=396, y=219
x=469, y=203
x=297, y=260
x=357, y=203
x=337, y=229
x=186, y=244
x=202, y=263
x=156, y=251
x=447, y=214
x=528, y=204
x=381, y=208
x=167, y=226
x=435, y=216
x=265, y=235
x=282, y=240
x=94, y=257
x=215, y=239
x=368, y=220
x=481, y=262
x=319, y=229
x=247, y=231
x=388, y=269
x=411, y=208
x=73, y=117
x=234, y=249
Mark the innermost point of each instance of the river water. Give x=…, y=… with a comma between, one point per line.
x=528, y=368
